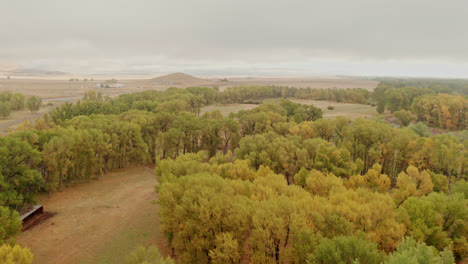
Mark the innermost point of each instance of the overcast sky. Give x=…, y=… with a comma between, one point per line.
x=269, y=37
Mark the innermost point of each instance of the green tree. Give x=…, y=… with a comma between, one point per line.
x=404, y=117
x=19, y=181
x=10, y=224
x=347, y=249
x=410, y=251
x=34, y=103
x=438, y=219
x=6, y=96
x=461, y=186
x=421, y=129
x=4, y=110
x=17, y=102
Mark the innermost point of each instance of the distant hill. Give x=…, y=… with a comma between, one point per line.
x=179, y=79
x=36, y=72
x=8, y=67
x=17, y=70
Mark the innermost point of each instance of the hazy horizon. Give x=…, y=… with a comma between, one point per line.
x=262, y=38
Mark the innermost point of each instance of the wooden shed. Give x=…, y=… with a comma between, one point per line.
x=31, y=216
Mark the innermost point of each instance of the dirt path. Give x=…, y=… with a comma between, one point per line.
x=98, y=222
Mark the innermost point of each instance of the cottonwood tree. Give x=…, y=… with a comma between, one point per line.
x=34, y=103
x=10, y=224
x=412, y=251
x=4, y=110
x=15, y=255
x=19, y=182
x=17, y=102
x=150, y=255
x=347, y=249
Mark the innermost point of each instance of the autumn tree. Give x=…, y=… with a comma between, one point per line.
x=404, y=117
x=226, y=250
x=15, y=255
x=150, y=255
x=412, y=183
x=373, y=180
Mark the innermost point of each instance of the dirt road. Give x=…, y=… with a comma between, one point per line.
x=98, y=222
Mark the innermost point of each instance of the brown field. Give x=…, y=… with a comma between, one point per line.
x=322, y=82
x=98, y=222
x=64, y=88
x=54, y=87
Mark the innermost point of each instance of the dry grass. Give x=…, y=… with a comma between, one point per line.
x=341, y=109
x=58, y=88
x=64, y=88
x=18, y=117
x=98, y=222
x=322, y=82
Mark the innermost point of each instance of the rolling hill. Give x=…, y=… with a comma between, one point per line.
x=180, y=79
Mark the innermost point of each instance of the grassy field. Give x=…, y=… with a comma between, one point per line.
x=98, y=222
x=16, y=118
x=341, y=109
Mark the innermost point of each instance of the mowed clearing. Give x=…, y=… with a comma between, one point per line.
x=341, y=109
x=98, y=222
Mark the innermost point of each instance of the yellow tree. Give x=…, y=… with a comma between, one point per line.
x=373, y=180
x=371, y=212
x=15, y=255
x=412, y=183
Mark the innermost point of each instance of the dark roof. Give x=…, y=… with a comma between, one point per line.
x=28, y=213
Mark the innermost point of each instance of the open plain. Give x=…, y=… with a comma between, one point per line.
x=63, y=87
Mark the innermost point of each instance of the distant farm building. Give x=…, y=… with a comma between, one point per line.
x=110, y=85
x=32, y=216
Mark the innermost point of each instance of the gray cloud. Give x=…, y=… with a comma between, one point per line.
x=306, y=37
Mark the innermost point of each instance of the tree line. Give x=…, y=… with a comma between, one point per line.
x=17, y=101
x=430, y=102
